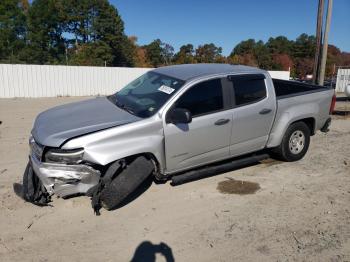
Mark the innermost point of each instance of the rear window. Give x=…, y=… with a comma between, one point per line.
x=248, y=89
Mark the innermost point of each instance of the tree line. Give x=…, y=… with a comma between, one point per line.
x=74, y=32
x=91, y=33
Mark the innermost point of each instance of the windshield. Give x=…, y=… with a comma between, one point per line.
x=144, y=96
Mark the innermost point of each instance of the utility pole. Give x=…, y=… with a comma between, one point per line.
x=325, y=42
x=318, y=40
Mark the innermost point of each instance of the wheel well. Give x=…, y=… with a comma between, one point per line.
x=310, y=122
x=154, y=160
x=149, y=156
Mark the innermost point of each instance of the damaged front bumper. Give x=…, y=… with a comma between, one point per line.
x=65, y=180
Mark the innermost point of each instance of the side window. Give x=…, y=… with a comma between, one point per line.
x=248, y=89
x=203, y=98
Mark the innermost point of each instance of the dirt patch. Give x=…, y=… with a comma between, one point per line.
x=239, y=187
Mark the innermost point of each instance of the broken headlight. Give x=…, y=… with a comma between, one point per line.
x=36, y=149
x=66, y=156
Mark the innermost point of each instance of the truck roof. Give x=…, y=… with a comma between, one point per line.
x=191, y=71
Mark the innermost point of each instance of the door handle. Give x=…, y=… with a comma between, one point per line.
x=222, y=122
x=265, y=111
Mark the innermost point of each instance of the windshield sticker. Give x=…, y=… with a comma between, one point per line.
x=166, y=89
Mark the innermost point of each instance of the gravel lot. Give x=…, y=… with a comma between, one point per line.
x=297, y=211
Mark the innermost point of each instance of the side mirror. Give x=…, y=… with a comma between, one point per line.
x=179, y=116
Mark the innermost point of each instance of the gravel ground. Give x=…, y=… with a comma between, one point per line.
x=286, y=211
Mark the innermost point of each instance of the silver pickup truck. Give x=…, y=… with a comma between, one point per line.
x=170, y=123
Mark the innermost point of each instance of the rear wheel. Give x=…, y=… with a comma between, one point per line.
x=126, y=182
x=295, y=143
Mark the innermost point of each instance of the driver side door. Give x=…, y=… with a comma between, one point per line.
x=207, y=138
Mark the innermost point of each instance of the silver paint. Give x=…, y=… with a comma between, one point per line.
x=296, y=142
x=65, y=180
x=178, y=147
x=56, y=125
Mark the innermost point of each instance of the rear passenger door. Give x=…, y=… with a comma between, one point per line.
x=253, y=113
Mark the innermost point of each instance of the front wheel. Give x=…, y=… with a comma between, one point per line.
x=33, y=190
x=136, y=172
x=295, y=143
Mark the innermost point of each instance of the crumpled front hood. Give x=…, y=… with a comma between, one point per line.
x=56, y=125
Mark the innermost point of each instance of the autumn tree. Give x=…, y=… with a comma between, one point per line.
x=159, y=53
x=252, y=53
x=304, y=46
x=91, y=32
x=208, y=53
x=303, y=53
x=244, y=59
x=141, y=59
x=277, y=54
x=140, y=54
x=244, y=47
x=262, y=55
x=97, y=53
x=186, y=55
x=167, y=52
x=281, y=62
x=280, y=49
x=154, y=53
x=24, y=4
x=279, y=45
x=336, y=57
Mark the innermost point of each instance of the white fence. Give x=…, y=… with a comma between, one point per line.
x=53, y=81
x=343, y=79
x=284, y=75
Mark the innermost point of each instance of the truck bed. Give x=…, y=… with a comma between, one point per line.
x=285, y=88
x=296, y=101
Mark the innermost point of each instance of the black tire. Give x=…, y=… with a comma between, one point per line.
x=27, y=173
x=33, y=190
x=289, y=151
x=126, y=182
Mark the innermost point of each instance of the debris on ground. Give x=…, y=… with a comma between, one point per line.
x=30, y=224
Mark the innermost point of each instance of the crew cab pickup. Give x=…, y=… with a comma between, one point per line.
x=169, y=121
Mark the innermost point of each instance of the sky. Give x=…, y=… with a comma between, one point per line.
x=227, y=22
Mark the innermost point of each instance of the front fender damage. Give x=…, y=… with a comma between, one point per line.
x=95, y=192
x=33, y=189
x=106, y=188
